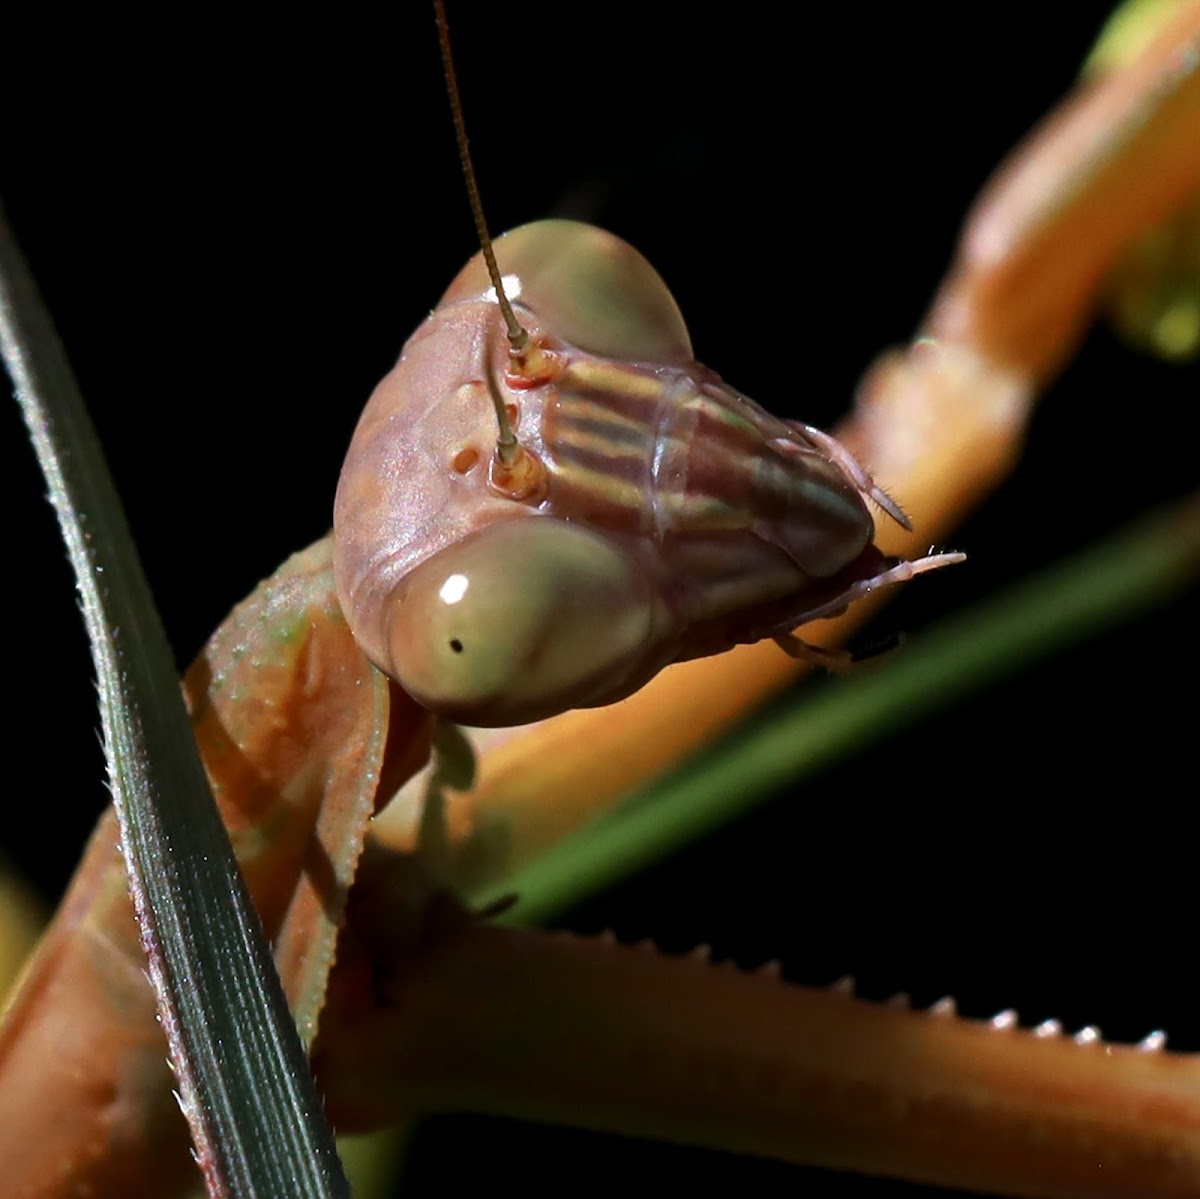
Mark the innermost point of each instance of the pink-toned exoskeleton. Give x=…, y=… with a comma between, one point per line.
x=639, y=511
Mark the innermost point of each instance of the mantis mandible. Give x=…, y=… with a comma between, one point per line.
x=1029, y=534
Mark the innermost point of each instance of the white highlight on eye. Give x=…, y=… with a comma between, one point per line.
x=512, y=289
x=454, y=588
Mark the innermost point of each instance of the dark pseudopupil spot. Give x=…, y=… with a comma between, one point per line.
x=456, y=645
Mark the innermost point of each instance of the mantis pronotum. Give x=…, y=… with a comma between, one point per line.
x=1081, y=472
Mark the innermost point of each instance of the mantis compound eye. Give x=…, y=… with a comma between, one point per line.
x=521, y=619
x=592, y=289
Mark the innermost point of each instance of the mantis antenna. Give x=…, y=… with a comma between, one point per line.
x=507, y=448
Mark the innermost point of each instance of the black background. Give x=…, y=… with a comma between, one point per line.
x=237, y=222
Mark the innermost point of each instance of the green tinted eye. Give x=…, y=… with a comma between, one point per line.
x=587, y=287
x=520, y=620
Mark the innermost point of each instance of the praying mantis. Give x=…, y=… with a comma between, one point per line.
x=1064, y=518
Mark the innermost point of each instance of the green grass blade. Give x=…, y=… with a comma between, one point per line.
x=243, y=1077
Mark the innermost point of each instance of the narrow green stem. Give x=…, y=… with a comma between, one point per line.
x=1065, y=605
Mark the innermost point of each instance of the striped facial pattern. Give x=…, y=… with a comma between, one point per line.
x=672, y=452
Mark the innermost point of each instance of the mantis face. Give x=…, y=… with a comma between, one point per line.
x=658, y=514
